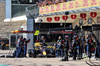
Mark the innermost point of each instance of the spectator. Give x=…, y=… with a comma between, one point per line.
x=50, y=2
x=57, y=1
x=3, y=45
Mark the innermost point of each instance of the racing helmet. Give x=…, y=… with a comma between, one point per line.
x=59, y=37
x=42, y=37
x=66, y=37
x=87, y=36
x=24, y=39
x=75, y=37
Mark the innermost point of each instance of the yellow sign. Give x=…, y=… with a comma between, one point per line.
x=36, y=33
x=71, y=5
x=7, y=44
x=37, y=44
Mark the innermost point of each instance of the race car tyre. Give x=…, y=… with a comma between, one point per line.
x=30, y=52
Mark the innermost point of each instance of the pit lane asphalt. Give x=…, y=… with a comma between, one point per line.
x=42, y=61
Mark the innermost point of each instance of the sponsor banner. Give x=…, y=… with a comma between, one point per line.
x=71, y=5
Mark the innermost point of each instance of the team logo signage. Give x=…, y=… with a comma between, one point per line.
x=73, y=16
x=56, y=18
x=64, y=17
x=49, y=19
x=93, y=14
x=83, y=15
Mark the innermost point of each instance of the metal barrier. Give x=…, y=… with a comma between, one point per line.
x=13, y=42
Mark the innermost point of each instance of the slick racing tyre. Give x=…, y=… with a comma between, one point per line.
x=30, y=52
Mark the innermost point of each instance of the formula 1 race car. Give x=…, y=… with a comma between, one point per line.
x=45, y=51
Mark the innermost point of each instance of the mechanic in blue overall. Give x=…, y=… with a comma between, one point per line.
x=66, y=48
x=14, y=53
x=43, y=41
x=75, y=44
x=25, y=45
x=78, y=46
x=43, y=44
x=59, y=47
x=89, y=42
x=19, y=46
x=82, y=46
x=83, y=43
